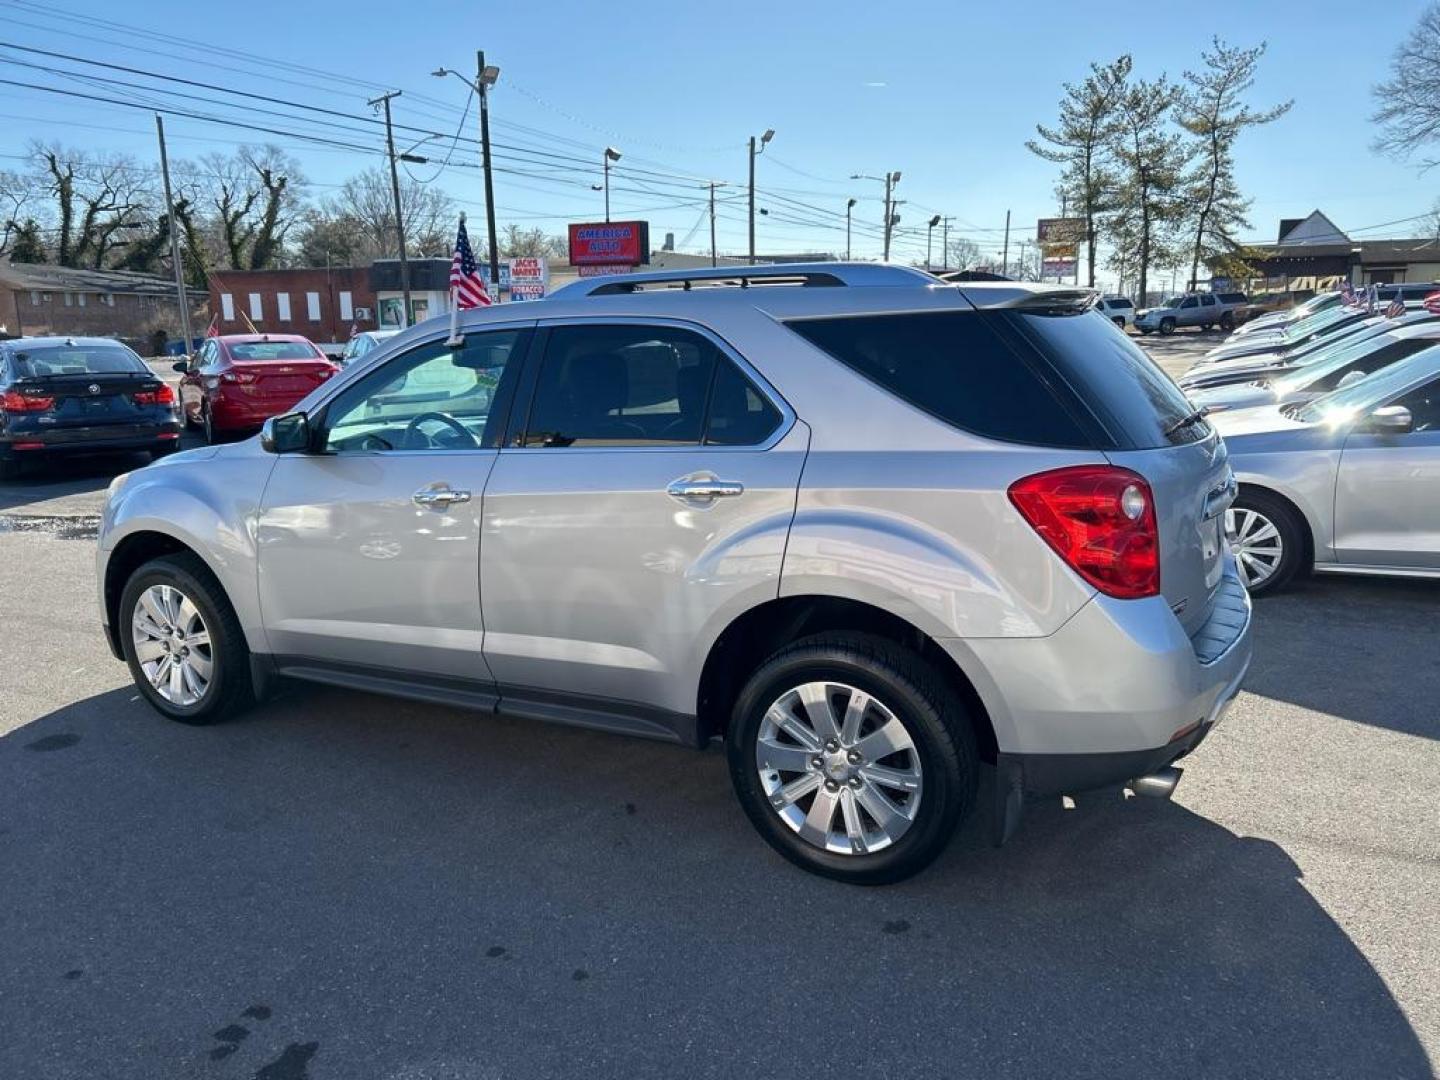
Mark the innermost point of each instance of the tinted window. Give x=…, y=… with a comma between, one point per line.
x=1368, y=362
x=1232, y=298
x=956, y=367
x=433, y=397
x=622, y=386
x=1188, y=302
x=1116, y=379
x=1424, y=406
x=1120, y=302
x=274, y=350
x=77, y=360
x=1207, y=301
x=739, y=414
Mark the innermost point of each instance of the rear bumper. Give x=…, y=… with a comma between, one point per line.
x=233, y=413
x=1115, y=693
x=89, y=440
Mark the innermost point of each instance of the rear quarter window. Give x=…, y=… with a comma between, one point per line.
x=959, y=367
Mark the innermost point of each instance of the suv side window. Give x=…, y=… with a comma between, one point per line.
x=1207, y=301
x=1188, y=302
x=610, y=385
x=433, y=397
x=956, y=367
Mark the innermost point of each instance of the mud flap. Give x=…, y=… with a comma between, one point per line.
x=1008, y=800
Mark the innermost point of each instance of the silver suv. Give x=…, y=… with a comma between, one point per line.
x=870, y=530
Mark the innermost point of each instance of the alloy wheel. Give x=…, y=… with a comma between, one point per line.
x=839, y=768
x=172, y=645
x=1257, y=544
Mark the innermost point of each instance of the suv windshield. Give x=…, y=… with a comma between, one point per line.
x=78, y=360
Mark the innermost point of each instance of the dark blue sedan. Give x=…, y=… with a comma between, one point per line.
x=80, y=395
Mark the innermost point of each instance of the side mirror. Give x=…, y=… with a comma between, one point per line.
x=287, y=434
x=182, y=366
x=1390, y=420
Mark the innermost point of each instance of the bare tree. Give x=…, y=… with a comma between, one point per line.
x=1212, y=110
x=95, y=200
x=534, y=242
x=1081, y=142
x=357, y=225
x=16, y=190
x=1409, y=101
x=256, y=195
x=964, y=254
x=1152, y=160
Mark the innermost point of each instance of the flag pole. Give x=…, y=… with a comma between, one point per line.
x=455, y=340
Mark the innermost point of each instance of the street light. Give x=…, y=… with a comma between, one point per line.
x=486, y=76
x=849, y=205
x=611, y=154
x=890, y=179
x=754, y=153
x=929, y=236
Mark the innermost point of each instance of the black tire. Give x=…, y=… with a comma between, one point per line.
x=230, y=690
x=1119, y=321
x=208, y=426
x=1227, y=321
x=1295, y=543
x=1167, y=327
x=936, y=720
x=1143, y=331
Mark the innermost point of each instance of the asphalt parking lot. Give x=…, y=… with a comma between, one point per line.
x=340, y=886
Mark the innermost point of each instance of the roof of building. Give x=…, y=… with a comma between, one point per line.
x=47, y=278
x=1313, y=229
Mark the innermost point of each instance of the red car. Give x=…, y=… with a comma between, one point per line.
x=237, y=382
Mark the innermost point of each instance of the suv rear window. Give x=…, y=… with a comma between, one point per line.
x=1134, y=399
x=956, y=367
x=1118, y=302
x=275, y=350
x=78, y=360
x=1233, y=298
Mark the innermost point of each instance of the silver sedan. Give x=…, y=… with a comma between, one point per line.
x=1347, y=483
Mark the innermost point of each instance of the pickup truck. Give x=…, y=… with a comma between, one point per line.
x=1200, y=309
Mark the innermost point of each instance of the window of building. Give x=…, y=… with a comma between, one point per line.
x=312, y=306
x=69, y=299
x=347, y=306
x=81, y=298
x=282, y=301
x=34, y=298
x=257, y=306
x=108, y=299
x=227, y=307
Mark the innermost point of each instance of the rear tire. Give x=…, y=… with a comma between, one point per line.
x=1167, y=327
x=178, y=593
x=1227, y=321
x=1119, y=322
x=881, y=814
x=1270, y=540
x=208, y=425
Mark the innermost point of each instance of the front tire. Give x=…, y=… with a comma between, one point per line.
x=1167, y=327
x=183, y=642
x=1269, y=540
x=852, y=758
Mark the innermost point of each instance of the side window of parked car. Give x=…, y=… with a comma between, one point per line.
x=1188, y=302
x=1424, y=405
x=433, y=397
x=1207, y=301
x=614, y=385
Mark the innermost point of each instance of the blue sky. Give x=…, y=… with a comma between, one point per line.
x=945, y=92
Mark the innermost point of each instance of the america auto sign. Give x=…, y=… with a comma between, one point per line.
x=610, y=243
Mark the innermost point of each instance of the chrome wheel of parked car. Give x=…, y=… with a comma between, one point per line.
x=172, y=645
x=1257, y=543
x=839, y=768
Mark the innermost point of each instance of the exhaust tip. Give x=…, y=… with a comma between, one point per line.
x=1158, y=785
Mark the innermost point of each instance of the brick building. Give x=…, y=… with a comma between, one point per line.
x=321, y=303
x=37, y=299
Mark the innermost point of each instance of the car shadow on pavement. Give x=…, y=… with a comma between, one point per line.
x=1315, y=637
x=338, y=885
x=66, y=486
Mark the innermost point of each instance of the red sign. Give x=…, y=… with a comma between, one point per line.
x=602, y=270
x=610, y=243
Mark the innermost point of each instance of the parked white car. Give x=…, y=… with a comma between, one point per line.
x=1118, y=309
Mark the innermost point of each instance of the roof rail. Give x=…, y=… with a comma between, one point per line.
x=826, y=274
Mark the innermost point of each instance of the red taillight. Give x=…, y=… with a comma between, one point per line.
x=237, y=377
x=1101, y=520
x=14, y=401
x=162, y=396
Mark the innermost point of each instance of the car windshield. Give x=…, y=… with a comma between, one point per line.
x=1351, y=362
x=78, y=360
x=1322, y=320
x=1348, y=402
x=274, y=350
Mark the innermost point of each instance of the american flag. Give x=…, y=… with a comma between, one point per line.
x=214, y=328
x=1347, y=294
x=1372, y=298
x=465, y=277
x=1395, y=308
x=1431, y=303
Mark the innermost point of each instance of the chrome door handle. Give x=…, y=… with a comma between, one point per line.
x=703, y=488
x=439, y=498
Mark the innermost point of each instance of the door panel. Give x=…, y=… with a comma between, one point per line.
x=647, y=499
x=1387, y=494
x=370, y=547
x=598, y=582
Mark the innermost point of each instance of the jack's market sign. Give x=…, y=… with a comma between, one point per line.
x=610, y=243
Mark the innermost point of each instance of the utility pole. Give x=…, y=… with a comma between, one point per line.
x=1005, y=252
x=713, y=184
x=611, y=154
x=754, y=153
x=485, y=77
x=929, y=237
x=849, y=206
x=174, y=241
x=944, y=244
x=891, y=179
x=384, y=99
